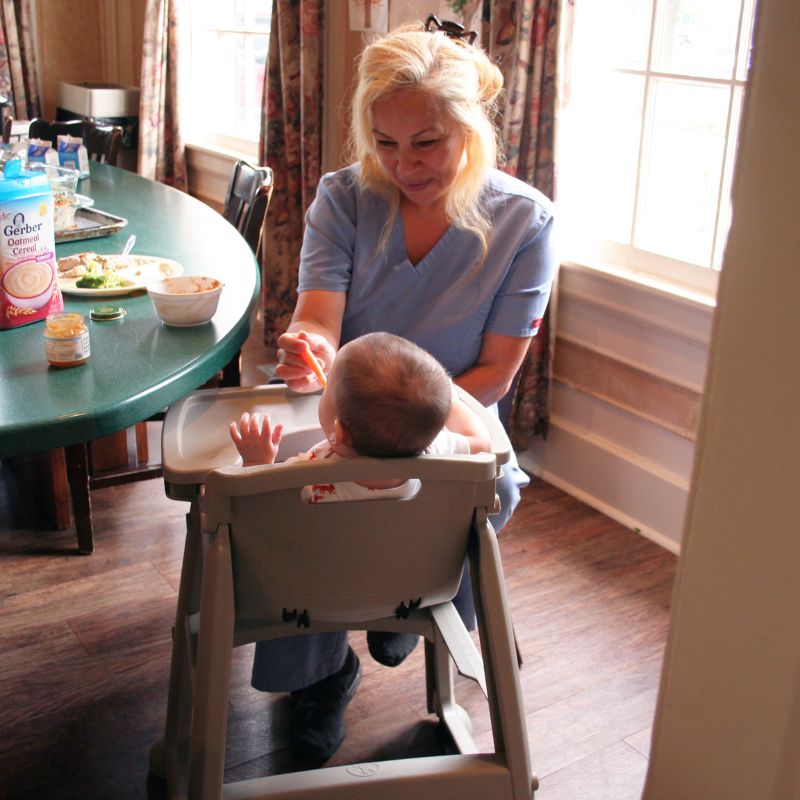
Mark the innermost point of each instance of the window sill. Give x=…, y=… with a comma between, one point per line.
x=650, y=284
x=231, y=153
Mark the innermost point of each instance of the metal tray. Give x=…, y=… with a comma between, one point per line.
x=91, y=223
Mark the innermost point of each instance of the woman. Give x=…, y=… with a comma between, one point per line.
x=424, y=238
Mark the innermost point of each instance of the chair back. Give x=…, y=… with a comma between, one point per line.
x=102, y=141
x=247, y=201
x=343, y=561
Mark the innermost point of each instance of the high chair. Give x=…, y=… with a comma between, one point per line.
x=258, y=565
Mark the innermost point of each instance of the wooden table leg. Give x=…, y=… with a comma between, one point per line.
x=231, y=372
x=78, y=473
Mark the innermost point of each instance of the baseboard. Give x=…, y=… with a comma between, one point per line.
x=627, y=488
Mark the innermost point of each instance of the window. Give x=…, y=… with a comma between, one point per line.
x=224, y=80
x=648, y=135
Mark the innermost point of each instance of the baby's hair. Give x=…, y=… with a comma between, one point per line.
x=460, y=81
x=391, y=395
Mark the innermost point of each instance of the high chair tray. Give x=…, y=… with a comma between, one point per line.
x=195, y=439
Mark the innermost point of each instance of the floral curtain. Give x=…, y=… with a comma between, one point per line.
x=18, y=78
x=522, y=36
x=161, y=153
x=291, y=143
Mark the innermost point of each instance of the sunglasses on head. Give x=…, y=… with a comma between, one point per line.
x=449, y=28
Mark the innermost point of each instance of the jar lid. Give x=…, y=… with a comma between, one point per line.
x=105, y=313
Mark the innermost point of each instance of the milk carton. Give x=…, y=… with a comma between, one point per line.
x=40, y=151
x=72, y=153
x=28, y=273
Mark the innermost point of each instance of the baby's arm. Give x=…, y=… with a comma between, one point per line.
x=256, y=442
x=465, y=421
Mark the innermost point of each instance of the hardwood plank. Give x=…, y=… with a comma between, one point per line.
x=641, y=741
x=614, y=773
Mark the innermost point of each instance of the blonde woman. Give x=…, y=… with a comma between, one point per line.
x=422, y=237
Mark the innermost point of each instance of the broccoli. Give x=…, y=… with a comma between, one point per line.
x=101, y=280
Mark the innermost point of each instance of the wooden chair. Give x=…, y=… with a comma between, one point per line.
x=102, y=141
x=6, y=115
x=247, y=202
x=258, y=565
x=246, y=207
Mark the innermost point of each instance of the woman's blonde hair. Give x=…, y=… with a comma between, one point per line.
x=461, y=82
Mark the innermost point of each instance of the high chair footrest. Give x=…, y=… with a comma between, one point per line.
x=473, y=777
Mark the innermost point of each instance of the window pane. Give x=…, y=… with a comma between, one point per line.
x=597, y=177
x=242, y=14
x=229, y=43
x=680, y=187
x=696, y=37
x=238, y=83
x=612, y=33
x=629, y=36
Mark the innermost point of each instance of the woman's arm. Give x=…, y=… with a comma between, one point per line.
x=316, y=325
x=465, y=421
x=493, y=373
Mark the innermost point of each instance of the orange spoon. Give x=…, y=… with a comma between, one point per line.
x=314, y=366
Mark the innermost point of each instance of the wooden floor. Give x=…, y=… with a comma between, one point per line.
x=85, y=643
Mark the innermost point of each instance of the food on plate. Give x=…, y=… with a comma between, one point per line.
x=99, y=271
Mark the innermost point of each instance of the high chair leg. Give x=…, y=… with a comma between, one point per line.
x=502, y=670
x=212, y=676
x=444, y=701
x=169, y=757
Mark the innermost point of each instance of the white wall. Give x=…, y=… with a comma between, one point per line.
x=629, y=367
x=728, y=717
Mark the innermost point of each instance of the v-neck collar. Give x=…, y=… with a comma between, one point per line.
x=400, y=242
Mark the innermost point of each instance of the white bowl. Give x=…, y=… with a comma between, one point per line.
x=185, y=300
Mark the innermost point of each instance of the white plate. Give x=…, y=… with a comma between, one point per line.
x=142, y=274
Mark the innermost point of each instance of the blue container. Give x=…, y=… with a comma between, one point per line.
x=28, y=272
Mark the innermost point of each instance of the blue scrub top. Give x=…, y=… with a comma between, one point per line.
x=448, y=300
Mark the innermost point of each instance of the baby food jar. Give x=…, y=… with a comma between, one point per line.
x=66, y=339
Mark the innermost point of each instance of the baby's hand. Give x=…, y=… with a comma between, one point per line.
x=256, y=442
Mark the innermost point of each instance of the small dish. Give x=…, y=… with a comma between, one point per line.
x=185, y=300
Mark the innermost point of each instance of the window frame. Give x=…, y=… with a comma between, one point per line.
x=651, y=266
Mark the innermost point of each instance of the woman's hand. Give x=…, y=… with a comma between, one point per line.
x=293, y=369
x=316, y=326
x=256, y=440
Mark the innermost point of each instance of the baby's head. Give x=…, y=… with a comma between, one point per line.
x=391, y=396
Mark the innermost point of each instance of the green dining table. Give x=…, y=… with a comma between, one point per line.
x=138, y=365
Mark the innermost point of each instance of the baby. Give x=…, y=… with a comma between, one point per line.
x=386, y=398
